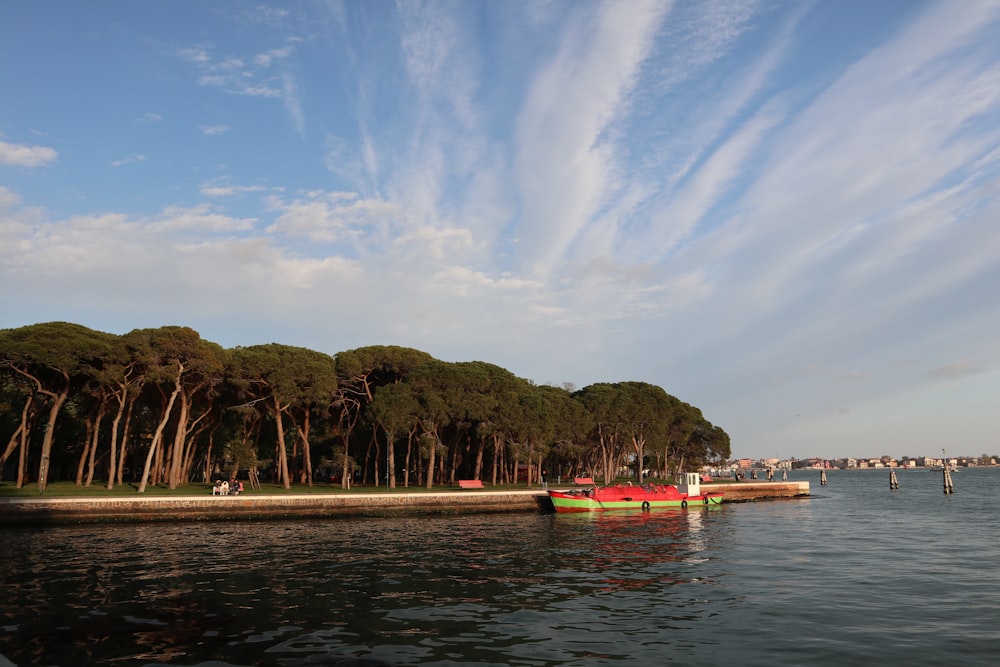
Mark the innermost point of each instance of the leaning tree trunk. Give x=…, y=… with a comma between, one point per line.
x=158, y=435
x=282, y=453
x=19, y=439
x=115, y=424
x=43, y=464
x=123, y=450
x=477, y=471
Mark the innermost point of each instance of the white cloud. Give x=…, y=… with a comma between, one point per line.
x=333, y=216
x=565, y=163
x=202, y=218
x=213, y=130
x=131, y=159
x=268, y=57
x=222, y=189
x=24, y=155
x=8, y=199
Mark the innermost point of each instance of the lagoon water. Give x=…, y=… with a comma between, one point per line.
x=855, y=575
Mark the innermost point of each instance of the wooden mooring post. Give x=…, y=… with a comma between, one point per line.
x=893, y=482
x=822, y=478
x=948, y=486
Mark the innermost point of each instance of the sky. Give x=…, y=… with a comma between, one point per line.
x=785, y=213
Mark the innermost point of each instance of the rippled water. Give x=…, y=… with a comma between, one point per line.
x=857, y=574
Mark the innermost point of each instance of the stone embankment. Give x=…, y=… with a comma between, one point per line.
x=740, y=492
x=248, y=507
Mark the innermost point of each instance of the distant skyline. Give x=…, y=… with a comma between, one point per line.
x=784, y=213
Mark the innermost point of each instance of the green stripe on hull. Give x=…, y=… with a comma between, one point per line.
x=585, y=504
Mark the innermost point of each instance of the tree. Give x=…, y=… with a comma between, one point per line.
x=18, y=388
x=313, y=385
x=51, y=357
x=180, y=365
x=394, y=410
x=601, y=401
x=642, y=410
x=287, y=381
x=359, y=373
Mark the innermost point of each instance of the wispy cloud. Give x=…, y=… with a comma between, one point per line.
x=566, y=162
x=253, y=77
x=223, y=189
x=233, y=74
x=25, y=155
x=955, y=370
x=213, y=130
x=131, y=159
x=265, y=59
x=293, y=103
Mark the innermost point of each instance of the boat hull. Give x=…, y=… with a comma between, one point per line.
x=628, y=498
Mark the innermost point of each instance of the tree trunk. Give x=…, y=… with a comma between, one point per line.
x=50, y=426
x=180, y=433
x=19, y=439
x=115, y=423
x=430, y=464
x=196, y=427
x=158, y=435
x=22, y=460
x=282, y=453
x=307, y=471
x=347, y=426
x=477, y=471
x=101, y=409
x=206, y=471
x=496, y=456
x=639, y=444
x=409, y=458
x=126, y=431
x=390, y=459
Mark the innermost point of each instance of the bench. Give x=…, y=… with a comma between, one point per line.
x=589, y=481
x=470, y=483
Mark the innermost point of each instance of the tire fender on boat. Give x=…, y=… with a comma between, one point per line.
x=645, y=505
x=684, y=504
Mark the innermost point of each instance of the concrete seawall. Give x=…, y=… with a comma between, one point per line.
x=249, y=507
x=737, y=492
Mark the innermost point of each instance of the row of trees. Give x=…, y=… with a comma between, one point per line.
x=164, y=406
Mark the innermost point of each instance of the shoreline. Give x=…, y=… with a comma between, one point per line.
x=251, y=507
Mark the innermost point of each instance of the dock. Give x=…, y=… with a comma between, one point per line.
x=254, y=507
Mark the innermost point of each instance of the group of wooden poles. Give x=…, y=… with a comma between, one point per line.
x=949, y=487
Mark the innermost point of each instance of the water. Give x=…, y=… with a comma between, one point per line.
x=857, y=574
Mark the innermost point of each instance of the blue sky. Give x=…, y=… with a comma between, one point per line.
x=785, y=213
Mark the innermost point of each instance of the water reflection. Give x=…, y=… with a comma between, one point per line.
x=402, y=591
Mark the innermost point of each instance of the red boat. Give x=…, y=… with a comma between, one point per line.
x=630, y=497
